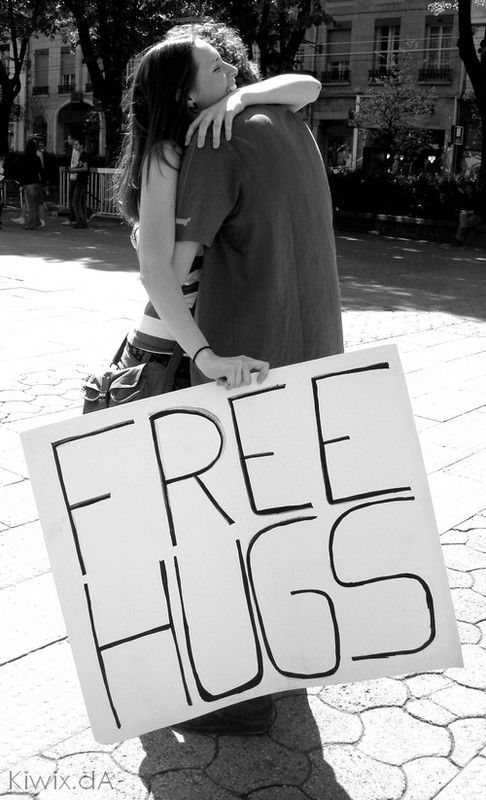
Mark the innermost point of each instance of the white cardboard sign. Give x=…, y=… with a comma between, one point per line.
x=209, y=547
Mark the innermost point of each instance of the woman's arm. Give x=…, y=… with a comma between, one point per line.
x=294, y=91
x=163, y=266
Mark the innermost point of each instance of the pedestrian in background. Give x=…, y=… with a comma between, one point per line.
x=2, y=175
x=81, y=174
x=44, y=189
x=32, y=179
x=72, y=177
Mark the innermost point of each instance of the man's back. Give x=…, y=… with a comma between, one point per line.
x=261, y=204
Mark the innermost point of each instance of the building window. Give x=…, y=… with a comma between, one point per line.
x=438, y=45
x=68, y=70
x=41, y=72
x=337, y=50
x=387, y=44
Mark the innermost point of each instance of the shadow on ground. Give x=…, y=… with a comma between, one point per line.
x=378, y=272
x=286, y=760
x=105, y=245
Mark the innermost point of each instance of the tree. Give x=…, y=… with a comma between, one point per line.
x=474, y=62
x=278, y=27
x=19, y=21
x=392, y=109
x=109, y=37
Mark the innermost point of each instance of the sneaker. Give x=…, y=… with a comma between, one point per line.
x=43, y=223
x=67, y=222
x=18, y=220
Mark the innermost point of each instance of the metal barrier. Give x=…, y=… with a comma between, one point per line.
x=100, y=191
x=11, y=193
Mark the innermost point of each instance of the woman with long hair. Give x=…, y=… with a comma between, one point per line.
x=182, y=87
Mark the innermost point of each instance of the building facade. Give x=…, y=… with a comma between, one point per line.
x=368, y=38
x=56, y=97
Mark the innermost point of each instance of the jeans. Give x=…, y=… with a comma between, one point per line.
x=79, y=205
x=32, y=194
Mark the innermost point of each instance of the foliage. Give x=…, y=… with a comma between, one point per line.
x=392, y=108
x=425, y=196
x=19, y=21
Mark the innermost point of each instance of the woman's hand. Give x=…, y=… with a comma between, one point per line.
x=231, y=372
x=224, y=110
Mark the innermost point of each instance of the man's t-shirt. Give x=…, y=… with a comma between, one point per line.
x=261, y=205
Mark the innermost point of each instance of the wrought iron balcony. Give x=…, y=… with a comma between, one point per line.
x=88, y=87
x=435, y=75
x=66, y=88
x=336, y=75
x=40, y=90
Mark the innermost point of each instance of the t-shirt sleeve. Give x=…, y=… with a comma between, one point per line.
x=207, y=192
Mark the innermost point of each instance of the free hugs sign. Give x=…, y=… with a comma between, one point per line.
x=210, y=546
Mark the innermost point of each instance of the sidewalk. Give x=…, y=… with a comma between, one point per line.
x=413, y=737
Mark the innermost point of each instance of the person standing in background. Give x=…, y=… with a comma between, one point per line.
x=81, y=172
x=32, y=178
x=72, y=177
x=44, y=189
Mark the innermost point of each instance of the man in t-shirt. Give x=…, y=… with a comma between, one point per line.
x=81, y=172
x=261, y=207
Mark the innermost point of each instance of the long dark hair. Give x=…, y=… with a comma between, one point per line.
x=156, y=113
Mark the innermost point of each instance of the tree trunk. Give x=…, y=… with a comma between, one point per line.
x=113, y=123
x=5, y=111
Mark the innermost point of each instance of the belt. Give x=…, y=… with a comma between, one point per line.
x=145, y=356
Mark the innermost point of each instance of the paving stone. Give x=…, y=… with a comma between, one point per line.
x=244, y=765
x=7, y=477
x=304, y=725
x=473, y=673
x=459, y=580
x=462, y=557
x=31, y=617
x=470, y=606
x=479, y=580
x=477, y=539
x=365, y=694
x=428, y=711
x=23, y=778
x=184, y=785
x=470, y=784
x=454, y=499
x=425, y=776
x=473, y=467
x=462, y=701
x=17, y=505
x=443, y=406
x=79, y=743
x=278, y=793
x=163, y=750
x=468, y=634
x=343, y=772
x=23, y=554
x=97, y=774
x=393, y=736
x=453, y=537
x=41, y=703
x=476, y=524
x=469, y=737
x=427, y=683
x=482, y=628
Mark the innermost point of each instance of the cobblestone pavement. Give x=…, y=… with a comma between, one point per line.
x=412, y=737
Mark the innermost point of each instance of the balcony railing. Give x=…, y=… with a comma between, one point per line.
x=40, y=90
x=435, y=75
x=336, y=75
x=66, y=88
x=88, y=87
